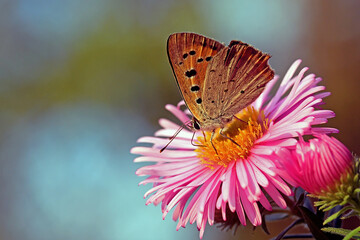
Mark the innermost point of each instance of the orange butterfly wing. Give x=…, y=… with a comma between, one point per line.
x=234, y=79
x=189, y=55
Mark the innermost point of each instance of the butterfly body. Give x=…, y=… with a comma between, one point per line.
x=216, y=81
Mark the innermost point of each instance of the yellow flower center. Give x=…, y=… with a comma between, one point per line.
x=235, y=141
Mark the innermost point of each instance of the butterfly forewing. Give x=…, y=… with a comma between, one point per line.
x=234, y=79
x=189, y=56
x=217, y=81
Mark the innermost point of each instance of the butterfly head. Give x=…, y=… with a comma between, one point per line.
x=209, y=124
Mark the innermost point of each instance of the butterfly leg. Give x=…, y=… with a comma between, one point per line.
x=223, y=135
x=204, y=135
x=194, y=144
x=188, y=125
x=239, y=119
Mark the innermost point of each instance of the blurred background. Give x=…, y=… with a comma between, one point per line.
x=81, y=80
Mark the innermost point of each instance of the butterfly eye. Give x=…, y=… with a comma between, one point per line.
x=196, y=125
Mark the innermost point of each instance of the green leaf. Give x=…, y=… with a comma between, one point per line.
x=343, y=232
x=338, y=231
x=353, y=233
x=319, y=203
x=328, y=208
x=356, y=178
x=345, y=201
x=350, y=214
x=336, y=215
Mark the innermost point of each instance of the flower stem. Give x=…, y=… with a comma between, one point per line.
x=281, y=235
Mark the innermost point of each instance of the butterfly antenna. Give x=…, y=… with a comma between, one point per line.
x=212, y=144
x=174, y=136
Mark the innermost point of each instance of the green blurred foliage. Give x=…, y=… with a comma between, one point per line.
x=122, y=64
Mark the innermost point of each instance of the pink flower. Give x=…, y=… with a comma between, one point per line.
x=196, y=180
x=318, y=165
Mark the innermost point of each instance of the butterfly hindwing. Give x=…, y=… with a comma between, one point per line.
x=234, y=79
x=189, y=55
x=251, y=73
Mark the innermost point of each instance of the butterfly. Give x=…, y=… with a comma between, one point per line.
x=216, y=81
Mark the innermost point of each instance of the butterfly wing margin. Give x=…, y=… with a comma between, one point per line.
x=236, y=77
x=189, y=55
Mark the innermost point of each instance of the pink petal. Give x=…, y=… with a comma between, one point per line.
x=177, y=113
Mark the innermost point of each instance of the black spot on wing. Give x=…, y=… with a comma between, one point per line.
x=199, y=100
x=195, y=88
x=190, y=73
x=192, y=52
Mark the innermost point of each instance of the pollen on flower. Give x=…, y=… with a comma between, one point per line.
x=235, y=141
